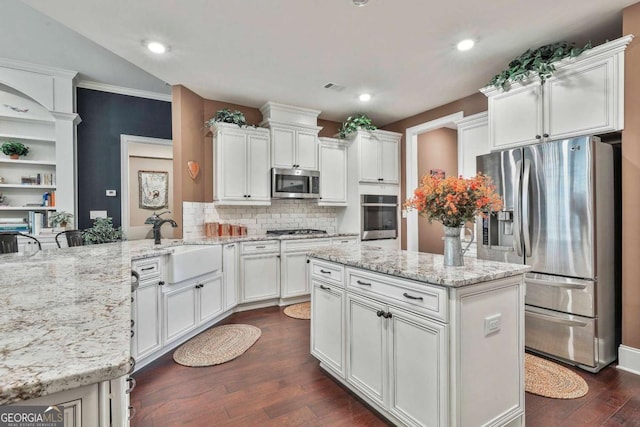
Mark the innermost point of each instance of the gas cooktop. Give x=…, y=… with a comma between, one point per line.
x=296, y=231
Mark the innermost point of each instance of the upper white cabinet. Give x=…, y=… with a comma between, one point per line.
x=584, y=96
x=242, y=170
x=333, y=172
x=378, y=154
x=473, y=141
x=294, y=135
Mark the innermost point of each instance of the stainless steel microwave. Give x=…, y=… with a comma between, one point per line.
x=295, y=184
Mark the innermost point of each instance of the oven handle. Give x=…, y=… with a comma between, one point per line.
x=379, y=204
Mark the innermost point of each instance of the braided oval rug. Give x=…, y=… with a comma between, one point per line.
x=548, y=379
x=217, y=345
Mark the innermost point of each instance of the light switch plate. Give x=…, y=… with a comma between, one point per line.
x=97, y=214
x=111, y=193
x=492, y=324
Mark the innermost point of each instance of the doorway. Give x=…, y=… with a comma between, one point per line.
x=424, y=154
x=143, y=154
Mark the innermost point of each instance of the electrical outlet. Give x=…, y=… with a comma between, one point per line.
x=492, y=324
x=404, y=213
x=111, y=193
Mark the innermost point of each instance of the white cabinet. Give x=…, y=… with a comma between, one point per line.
x=584, y=96
x=294, y=146
x=147, y=317
x=473, y=141
x=230, y=273
x=190, y=304
x=333, y=172
x=378, y=154
x=327, y=326
x=294, y=279
x=242, y=170
x=259, y=271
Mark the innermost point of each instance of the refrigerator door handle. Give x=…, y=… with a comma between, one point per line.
x=554, y=319
x=517, y=217
x=525, y=209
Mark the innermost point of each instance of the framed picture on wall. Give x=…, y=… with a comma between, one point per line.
x=153, y=187
x=437, y=172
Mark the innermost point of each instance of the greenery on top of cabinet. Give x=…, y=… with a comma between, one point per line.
x=354, y=123
x=227, y=116
x=538, y=61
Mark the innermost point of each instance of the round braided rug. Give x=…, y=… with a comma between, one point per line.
x=217, y=345
x=548, y=379
x=299, y=311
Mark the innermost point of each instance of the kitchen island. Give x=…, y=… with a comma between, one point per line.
x=423, y=344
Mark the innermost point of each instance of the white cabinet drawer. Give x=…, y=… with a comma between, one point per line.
x=303, y=244
x=148, y=268
x=331, y=273
x=344, y=240
x=429, y=300
x=260, y=247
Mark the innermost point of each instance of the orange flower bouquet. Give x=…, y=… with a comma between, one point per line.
x=454, y=201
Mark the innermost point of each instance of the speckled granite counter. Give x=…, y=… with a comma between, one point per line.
x=418, y=266
x=66, y=313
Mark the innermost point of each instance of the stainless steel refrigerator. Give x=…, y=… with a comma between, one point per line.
x=558, y=217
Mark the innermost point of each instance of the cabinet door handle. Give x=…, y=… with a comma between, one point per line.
x=147, y=268
x=380, y=313
x=161, y=283
x=249, y=195
x=406, y=295
x=325, y=288
x=387, y=315
x=359, y=282
x=546, y=135
x=538, y=137
x=132, y=384
x=325, y=271
x=308, y=261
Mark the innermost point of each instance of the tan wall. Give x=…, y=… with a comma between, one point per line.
x=630, y=179
x=472, y=104
x=437, y=149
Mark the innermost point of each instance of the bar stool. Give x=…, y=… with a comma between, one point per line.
x=9, y=241
x=74, y=238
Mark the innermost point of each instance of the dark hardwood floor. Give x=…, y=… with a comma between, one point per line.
x=278, y=383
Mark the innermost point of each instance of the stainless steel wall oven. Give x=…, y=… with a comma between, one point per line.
x=379, y=217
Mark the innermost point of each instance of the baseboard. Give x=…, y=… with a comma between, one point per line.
x=629, y=359
x=294, y=300
x=254, y=305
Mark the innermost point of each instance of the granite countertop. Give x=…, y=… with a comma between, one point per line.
x=422, y=267
x=66, y=313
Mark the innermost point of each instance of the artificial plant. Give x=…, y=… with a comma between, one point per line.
x=354, y=123
x=14, y=148
x=102, y=231
x=227, y=116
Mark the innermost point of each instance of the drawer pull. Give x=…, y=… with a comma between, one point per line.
x=406, y=295
x=132, y=323
x=147, y=268
x=132, y=384
x=132, y=333
x=230, y=246
x=359, y=282
x=132, y=362
x=325, y=288
x=132, y=412
x=380, y=313
x=260, y=247
x=325, y=271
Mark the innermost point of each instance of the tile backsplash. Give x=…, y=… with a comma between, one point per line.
x=282, y=214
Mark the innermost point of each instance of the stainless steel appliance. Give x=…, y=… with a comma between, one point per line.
x=379, y=217
x=295, y=184
x=558, y=217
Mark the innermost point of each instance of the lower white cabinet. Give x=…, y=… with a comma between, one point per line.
x=230, y=273
x=327, y=328
x=259, y=271
x=147, y=319
x=294, y=280
x=397, y=358
x=190, y=304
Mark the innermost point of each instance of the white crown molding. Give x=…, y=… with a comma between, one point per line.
x=103, y=87
x=36, y=68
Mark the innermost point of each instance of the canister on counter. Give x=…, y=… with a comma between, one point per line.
x=235, y=230
x=243, y=230
x=211, y=229
x=224, y=230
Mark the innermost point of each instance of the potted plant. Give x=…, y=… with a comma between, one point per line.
x=60, y=219
x=227, y=116
x=354, y=123
x=14, y=149
x=102, y=231
x=538, y=62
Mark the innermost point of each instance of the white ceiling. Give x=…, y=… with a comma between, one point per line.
x=400, y=51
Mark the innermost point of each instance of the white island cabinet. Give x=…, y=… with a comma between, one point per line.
x=423, y=344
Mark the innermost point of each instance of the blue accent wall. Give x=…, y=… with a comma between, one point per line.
x=105, y=116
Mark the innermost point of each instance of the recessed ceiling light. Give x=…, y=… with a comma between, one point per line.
x=365, y=97
x=360, y=3
x=156, y=47
x=465, y=44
